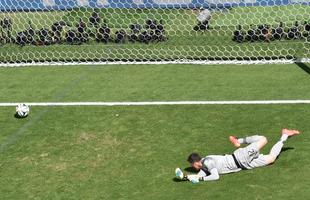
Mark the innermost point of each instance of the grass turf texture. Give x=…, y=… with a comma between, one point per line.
x=183, y=42
x=131, y=152
x=154, y=83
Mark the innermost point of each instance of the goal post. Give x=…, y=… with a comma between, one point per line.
x=113, y=31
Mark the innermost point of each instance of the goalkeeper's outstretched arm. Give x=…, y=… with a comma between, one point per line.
x=214, y=175
x=201, y=176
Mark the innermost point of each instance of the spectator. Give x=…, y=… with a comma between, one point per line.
x=57, y=28
x=6, y=30
x=120, y=36
x=306, y=31
x=82, y=34
x=278, y=32
x=294, y=32
x=103, y=34
x=160, y=31
x=238, y=34
x=72, y=37
x=266, y=34
x=135, y=30
x=203, y=18
x=307, y=26
x=44, y=37
x=26, y=36
x=144, y=37
x=95, y=19
x=251, y=35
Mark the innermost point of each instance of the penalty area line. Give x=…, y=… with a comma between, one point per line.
x=158, y=103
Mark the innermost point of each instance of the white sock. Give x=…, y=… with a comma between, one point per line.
x=249, y=139
x=284, y=137
x=276, y=149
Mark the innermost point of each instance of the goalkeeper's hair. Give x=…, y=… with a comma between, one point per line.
x=193, y=157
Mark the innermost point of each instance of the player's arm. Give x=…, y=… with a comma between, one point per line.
x=213, y=176
x=195, y=178
x=201, y=176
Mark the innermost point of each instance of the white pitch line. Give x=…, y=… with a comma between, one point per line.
x=194, y=62
x=153, y=103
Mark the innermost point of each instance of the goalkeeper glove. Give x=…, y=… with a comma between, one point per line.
x=193, y=178
x=179, y=174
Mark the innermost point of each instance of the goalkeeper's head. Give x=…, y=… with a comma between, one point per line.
x=195, y=160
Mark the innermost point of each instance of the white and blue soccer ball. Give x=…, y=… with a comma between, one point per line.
x=22, y=110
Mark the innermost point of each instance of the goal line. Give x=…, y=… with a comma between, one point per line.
x=155, y=103
x=193, y=62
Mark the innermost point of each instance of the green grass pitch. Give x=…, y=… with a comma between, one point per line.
x=131, y=152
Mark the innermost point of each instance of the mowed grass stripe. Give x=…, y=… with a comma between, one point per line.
x=140, y=83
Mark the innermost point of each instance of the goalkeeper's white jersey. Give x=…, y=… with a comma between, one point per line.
x=224, y=164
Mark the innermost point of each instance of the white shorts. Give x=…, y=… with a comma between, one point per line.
x=249, y=157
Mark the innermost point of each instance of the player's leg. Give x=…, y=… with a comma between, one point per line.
x=247, y=154
x=276, y=149
x=260, y=140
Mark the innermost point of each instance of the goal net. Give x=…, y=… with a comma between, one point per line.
x=66, y=31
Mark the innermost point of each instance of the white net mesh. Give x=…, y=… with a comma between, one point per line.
x=153, y=30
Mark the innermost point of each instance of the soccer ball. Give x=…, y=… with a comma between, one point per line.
x=22, y=110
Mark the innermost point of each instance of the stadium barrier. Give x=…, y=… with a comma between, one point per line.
x=13, y=5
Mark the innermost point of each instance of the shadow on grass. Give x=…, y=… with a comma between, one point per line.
x=19, y=117
x=175, y=179
x=304, y=67
x=286, y=149
x=190, y=169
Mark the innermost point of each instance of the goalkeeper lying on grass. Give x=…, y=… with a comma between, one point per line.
x=248, y=157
